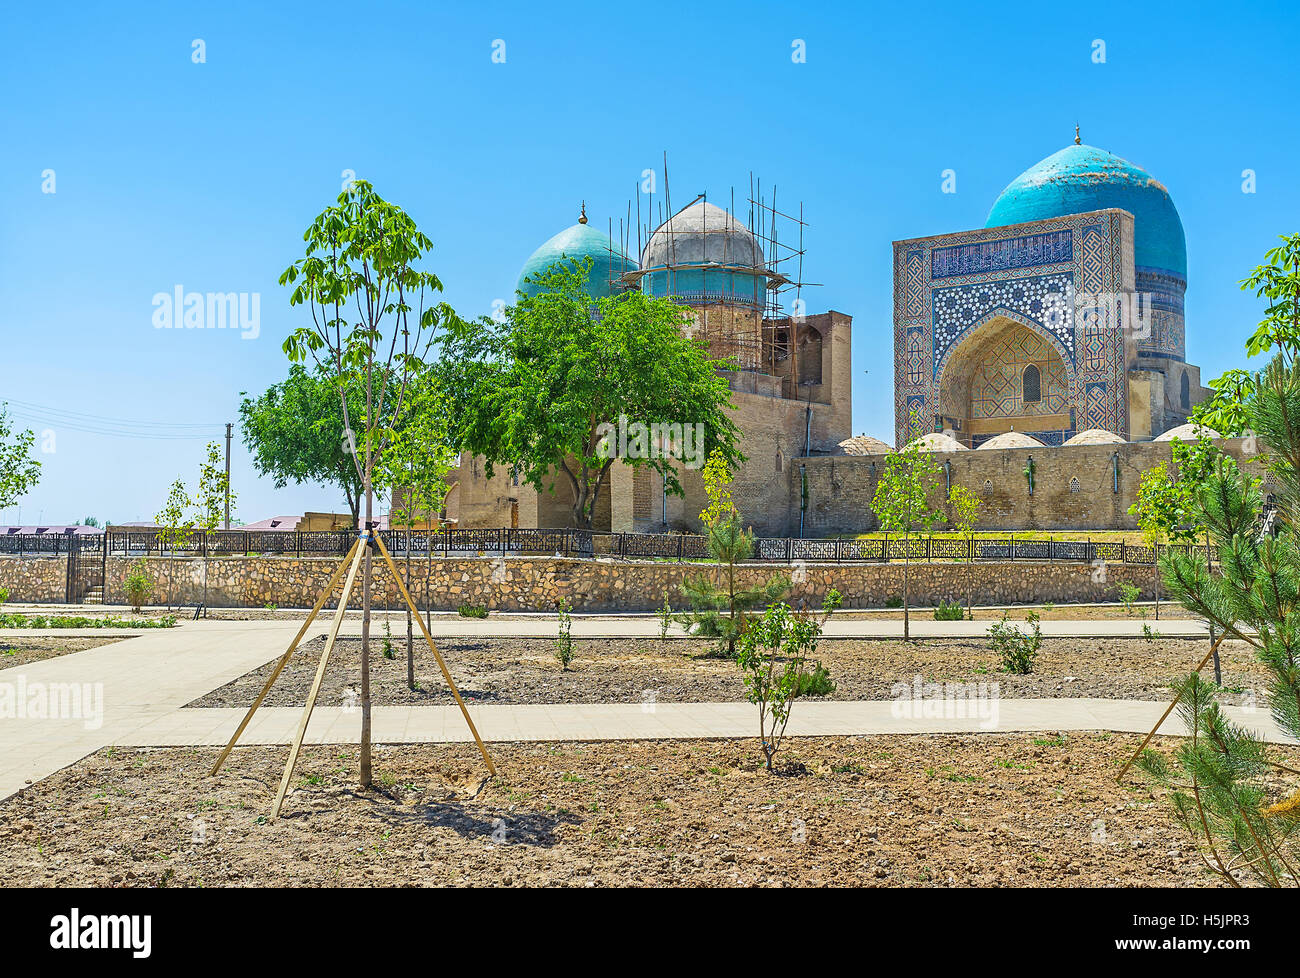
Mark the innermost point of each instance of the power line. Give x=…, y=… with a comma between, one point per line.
x=61, y=418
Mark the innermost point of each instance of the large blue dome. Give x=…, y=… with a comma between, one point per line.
x=577, y=243
x=1083, y=178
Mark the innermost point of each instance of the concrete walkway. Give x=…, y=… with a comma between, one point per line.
x=131, y=692
x=664, y=721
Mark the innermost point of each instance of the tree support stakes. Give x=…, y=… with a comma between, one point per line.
x=446, y=673
x=339, y=612
x=1165, y=716
x=284, y=659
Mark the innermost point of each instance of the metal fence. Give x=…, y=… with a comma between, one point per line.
x=586, y=543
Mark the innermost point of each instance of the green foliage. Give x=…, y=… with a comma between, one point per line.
x=725, y=612
x=472, y=611
x=138, y=585
x=665, y=618
x=389, y=652
x=773, y=654
x=83, y=621
x=894, y=601
x=1239, y=805
x=1277, y=281
x=4, y=595
x=1016, y=649
x=19, y=471
x=1224, y=411
x=963, y=505
x=816, y=682
x=534, y=388
x=210, y=496
x=564, y=644
x=949, y=612
x=1128, y=595
x=902, y=503
x=295, y=431
x=419, y=455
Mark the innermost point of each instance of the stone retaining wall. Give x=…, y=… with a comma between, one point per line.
x=537, y=583
x=38, y=579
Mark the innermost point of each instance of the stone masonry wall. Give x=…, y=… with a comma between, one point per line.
x=41, y=580
x=537, y=583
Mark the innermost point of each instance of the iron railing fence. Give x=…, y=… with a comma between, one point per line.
x=586, y=543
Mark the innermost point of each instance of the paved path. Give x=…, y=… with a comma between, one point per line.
x=132, y=692
x=133, y=683
x=661, y=721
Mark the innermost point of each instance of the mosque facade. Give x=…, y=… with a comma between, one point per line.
x=1051, y=340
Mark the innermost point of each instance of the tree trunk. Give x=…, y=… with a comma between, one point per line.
x=410, y=638
x=1157, y=570
x=907, y=567
x=365, y=777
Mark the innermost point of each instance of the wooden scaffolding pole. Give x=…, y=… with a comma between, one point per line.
x=296, y=746
x=284, y=659
x=446, y=674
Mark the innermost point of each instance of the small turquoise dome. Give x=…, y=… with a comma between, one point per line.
x=1083, y=178
x=577, y=243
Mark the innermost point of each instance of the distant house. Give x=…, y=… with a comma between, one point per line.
x=53, y=531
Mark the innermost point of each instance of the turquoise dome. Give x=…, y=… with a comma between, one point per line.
x=1083, y=178
x=577, y=243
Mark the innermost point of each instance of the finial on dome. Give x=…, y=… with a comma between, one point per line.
x=582, y=218
x=1077, y=140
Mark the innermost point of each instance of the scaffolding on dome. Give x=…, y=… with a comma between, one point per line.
x=778, y=260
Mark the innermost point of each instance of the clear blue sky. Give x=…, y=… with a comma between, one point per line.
x=205, y=175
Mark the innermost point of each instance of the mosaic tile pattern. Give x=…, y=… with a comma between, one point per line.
x=996, y=386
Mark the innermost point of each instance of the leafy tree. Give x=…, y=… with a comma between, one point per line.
x=174, y=529
x=724, y=612
x=1228, y=789
x=774, y=655
x=296, y=431
x=1224, y=411
x=414, y=468
x=210, y=501
x=19, y=472
x=902, y=504
x=963, y=510
x=1277, y=281
x=536, y=389
x=371, y=328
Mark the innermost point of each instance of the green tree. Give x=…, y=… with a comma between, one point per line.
x=963, y=517
x=414, y=468
x=725, y=612
x=774, y=655
x=174, y=530
x=539, y=389
x=210, y=502
x=296, y=431
x=1224, y=411
x=19, y=472
x=1227, y=788
x=361, y=280
x=902, y=504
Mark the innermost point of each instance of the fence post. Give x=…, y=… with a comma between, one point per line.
x=1123, y=551
x=681, y=544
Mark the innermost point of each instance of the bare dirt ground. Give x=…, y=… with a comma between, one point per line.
x=24, y=651
x=1004, y=810
x=622, y=671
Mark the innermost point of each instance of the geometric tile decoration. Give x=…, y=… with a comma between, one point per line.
x=996, y=384
x=1044, y=300
x=1050, y=248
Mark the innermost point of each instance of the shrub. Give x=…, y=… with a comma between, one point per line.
x=895, y=602
x=138, y=586
x=472, y=611
x=949, y=612
x=818, y=682
x=1128, y=595
x=1016, y=650
x=665, y=619
x=773, y=654
x=389, y=652
x=4, y=595
x=564, y=644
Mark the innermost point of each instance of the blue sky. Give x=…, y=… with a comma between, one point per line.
x=205, y=175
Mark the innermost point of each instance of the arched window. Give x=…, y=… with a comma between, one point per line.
x=1032, y=385
x=780, y=461
x=1186, y=393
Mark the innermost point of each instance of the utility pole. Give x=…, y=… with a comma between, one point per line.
x=229, y=429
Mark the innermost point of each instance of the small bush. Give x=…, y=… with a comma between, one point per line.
x=894, y=602
x=4, y=595
x=138, y=585
x=1128, y=595
x=1016, y=650
x=389, y=652
x=949, y=612
x=564, y=644
x=818, y=682
x=472, y=611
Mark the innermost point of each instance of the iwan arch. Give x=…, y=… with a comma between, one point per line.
x=1053, y=335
